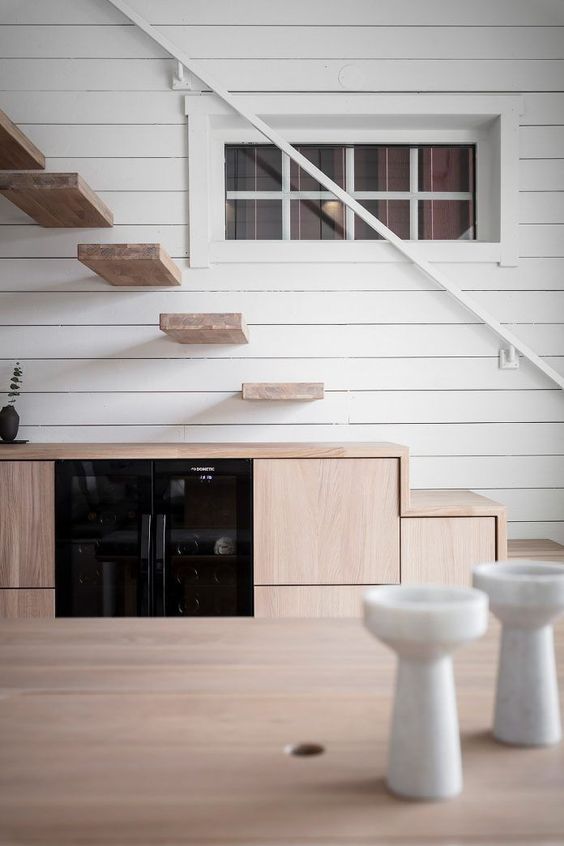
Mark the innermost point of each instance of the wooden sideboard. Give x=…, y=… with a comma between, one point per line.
x=329, y=520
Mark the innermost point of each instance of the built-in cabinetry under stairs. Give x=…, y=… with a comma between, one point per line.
x=329, y=520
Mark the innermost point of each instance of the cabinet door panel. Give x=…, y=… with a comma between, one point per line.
x=443, y=550
x=27, y=530
x=309, y=601
x=326, y=521
x=27, y=603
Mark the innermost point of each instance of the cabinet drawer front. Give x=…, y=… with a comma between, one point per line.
x=27, y=524
x=443, y=550
x=326, y=521
x=26, y=603
x=309, y=601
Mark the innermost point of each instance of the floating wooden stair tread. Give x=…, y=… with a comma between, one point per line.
x=17, y=152
x=221, y=328
x=56, y=199
x=537, y=549
x=131, y=264
x=283, y=390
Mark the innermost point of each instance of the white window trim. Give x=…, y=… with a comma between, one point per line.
x=491, y=122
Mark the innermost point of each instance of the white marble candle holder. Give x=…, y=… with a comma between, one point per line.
x=526, y=596
x=424, y=625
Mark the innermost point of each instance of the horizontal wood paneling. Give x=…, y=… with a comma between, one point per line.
x=541, y=142
x=60, y=342
x=228, y=374
x=338, y=407
x=109, y=140
x=169, y=207
x=252, y=12
x=267, y=74
x=456, y=406
x=32, y=240
x=508, y=471
x=377, y=307
x=541, y=174
x=542, y=207
x=288, y=42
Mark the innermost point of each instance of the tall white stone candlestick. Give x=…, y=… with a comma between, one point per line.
x=526, y=596
x=424, y=625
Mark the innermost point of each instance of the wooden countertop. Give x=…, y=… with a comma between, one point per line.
x=205, y=450
x=173, y=731
x=451, y=503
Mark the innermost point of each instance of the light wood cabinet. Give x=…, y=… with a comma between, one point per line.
x=326, y=521
x=307, y=601
x=27, y=524
x=443, y=550
x=27, y=603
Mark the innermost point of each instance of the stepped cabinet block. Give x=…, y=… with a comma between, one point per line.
x=56, y=200
x=131, y=264
x=283, y=390
x=17, y=152
x=221, y=328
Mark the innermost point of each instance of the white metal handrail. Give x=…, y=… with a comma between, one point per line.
x=406, y=248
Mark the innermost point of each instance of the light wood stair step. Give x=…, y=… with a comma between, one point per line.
x=204, y=328
x=56, y=199
x=123, y=265
x=283, y=390
x=537, y=549
x=17, y=152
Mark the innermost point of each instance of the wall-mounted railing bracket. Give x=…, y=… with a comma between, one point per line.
x=182, y=79
x=508, y=359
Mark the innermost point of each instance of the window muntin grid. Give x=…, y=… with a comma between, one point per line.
x=411, y=188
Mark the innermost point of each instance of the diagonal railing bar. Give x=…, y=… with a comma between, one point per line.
x=406, y=248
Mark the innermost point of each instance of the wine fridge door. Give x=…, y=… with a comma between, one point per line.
x=103, y=538
x=203, y=556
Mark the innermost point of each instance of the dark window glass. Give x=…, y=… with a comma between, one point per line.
x=378, y=168
x=253, y=168
x=331, y=160
x=446, y=220
x=252, y=220
x=316, y=220
x=393, y=213
x=446, y=168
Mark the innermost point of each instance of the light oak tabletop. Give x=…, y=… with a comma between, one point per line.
x=173, y=731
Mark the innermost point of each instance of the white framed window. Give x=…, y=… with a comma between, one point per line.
x=419, y=191
x=486, y=124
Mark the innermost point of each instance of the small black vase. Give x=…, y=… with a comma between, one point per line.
x=9, y=423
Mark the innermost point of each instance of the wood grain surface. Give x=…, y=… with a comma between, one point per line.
x=173, y=732
x=326, y=521
x=201, y=328
x=56, y=200
x=283, y=390
x=17, y=152
x=27, y=524
x=125, y=265
x=319, y=449
x=443, y=550
x=22, y=603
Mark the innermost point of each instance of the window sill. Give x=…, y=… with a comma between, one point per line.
x=349, y=251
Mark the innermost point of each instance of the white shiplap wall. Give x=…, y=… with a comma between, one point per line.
x=400, y=362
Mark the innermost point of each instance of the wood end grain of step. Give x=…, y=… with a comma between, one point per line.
x=124, y=265
x=204, y=328
x=56, y=200
x=302, y=391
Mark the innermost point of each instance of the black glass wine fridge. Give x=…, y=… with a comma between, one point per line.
x=154, y=538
